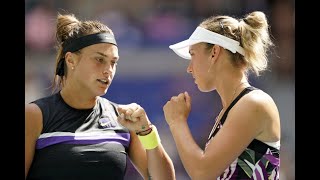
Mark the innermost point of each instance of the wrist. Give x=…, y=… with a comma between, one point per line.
x=146, y=131
x=150, y=140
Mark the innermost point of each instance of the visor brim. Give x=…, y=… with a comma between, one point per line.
x=182, y=48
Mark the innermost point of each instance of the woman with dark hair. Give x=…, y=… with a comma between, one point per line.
x=77, y=134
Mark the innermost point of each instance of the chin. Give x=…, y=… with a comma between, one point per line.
x=105, y=91
x=201, y=89
x=101, y=92
x=205, y=89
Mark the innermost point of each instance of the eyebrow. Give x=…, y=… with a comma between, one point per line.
x=102, y=54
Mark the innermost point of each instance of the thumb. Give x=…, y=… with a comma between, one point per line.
x=121, y=108
x=188, y=99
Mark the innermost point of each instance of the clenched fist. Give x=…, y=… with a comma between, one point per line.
x=177, y=109
x=133, y=117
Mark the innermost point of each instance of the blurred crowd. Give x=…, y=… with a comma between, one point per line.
x=149, y=73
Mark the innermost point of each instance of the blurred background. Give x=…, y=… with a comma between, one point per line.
x=149, y=73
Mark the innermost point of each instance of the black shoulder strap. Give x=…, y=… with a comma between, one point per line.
x=245, y=91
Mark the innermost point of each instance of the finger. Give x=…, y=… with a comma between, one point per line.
x=164, y=107
x=129, y=118
x=173, y=98
x=135, y=115
x=122, y=120
x=128, y=114
x=188, y=99
x=181, y=96
x=138, y=113
x=168, y=103
x=123, y=117
x=127, y=106
x=126, y=121
x=126, y=111
x=122, y=108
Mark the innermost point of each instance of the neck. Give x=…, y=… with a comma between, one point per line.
x=77, y=100
x=229, y=92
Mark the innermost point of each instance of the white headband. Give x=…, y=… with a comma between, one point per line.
x=204, y=35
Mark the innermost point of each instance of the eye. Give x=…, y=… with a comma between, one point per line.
x=114, y=63
x=100, y=60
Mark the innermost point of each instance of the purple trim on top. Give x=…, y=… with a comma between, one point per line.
x=273, y=160
x=264, y=170
x=122, y=138
x=257, y=173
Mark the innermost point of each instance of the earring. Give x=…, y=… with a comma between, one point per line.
x=72, y=67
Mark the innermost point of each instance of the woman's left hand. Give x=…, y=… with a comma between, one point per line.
x=177, y=109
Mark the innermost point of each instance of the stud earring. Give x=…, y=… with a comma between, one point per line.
x=72, y=68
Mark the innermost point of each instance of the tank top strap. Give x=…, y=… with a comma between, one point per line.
x=243, y=92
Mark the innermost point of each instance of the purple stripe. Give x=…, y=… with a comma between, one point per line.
x=122, y=138
x=258, y=175
x=264, y=170
x=273, y=160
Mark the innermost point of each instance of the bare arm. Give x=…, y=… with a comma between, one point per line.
x=245, y=122
x=154, y=162
x=33, y=128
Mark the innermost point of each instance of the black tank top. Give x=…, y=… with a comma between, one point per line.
x=79, y=144
x=258, y=160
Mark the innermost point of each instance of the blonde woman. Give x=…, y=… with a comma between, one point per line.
x=245, y=139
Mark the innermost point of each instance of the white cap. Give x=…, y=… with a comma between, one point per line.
x=203, y=35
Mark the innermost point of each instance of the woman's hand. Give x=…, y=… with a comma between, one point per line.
x=133, y=117
x=177, y=109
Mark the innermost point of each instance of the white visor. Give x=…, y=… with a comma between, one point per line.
x=204, y=35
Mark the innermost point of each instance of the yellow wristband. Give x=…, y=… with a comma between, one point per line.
x=151, y=140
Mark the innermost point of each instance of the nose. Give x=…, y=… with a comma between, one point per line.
x=189, y=68
x=108, y=70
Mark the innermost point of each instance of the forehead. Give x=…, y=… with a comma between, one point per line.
x=197, y=46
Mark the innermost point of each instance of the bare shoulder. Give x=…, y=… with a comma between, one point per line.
x=256, y=107
x=261, y=108
x=253, y=108
x=32, y=108
x=32, y=111
x=33, y=129
x=260, y=100
x=33, y=118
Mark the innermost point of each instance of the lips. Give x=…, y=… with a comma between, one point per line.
x=104, y=81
